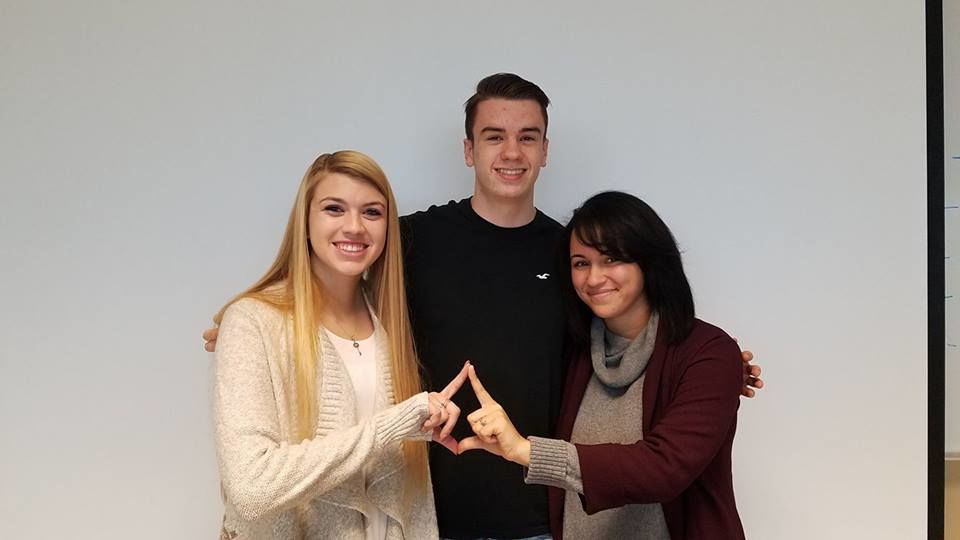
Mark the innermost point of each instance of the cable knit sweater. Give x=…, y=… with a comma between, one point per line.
x=268, y=479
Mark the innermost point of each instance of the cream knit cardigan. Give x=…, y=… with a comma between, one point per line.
x=265, y=475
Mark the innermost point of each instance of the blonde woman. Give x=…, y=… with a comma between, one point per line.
x=321, y=422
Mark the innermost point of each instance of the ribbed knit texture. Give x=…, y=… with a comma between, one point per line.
x=403, y=421
x=554, y=463
x=269, y=476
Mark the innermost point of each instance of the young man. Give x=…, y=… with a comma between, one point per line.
x=480, y=276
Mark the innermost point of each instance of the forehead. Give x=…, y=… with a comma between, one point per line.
x=508, y=114
x=577, y=247
x=348, y=188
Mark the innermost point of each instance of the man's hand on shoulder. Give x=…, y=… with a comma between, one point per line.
x=751, y=375
x=210, y=339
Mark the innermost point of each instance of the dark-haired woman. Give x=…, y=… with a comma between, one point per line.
x=650, y=403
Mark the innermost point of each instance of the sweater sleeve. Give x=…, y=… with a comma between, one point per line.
x=679, y=447
x=554, y=462
x=260, y=471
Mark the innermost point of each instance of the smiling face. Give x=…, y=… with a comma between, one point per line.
x=612, y=289
x=508, y=149
x=348, y=227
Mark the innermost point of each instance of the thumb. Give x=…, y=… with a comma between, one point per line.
x=474, y=443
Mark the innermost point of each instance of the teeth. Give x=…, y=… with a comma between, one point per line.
x=351, y=247
x=511, y=171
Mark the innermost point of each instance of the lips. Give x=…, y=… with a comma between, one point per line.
x=601, y=295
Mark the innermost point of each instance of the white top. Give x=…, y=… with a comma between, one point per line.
x=361, y=363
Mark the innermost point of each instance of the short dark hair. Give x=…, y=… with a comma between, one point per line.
x=624, y=227
x=504, y=86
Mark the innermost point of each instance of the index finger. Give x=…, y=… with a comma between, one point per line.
x=482, y=395
x=451, y=389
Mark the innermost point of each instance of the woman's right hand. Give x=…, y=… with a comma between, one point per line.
x=444, y=413
x=495, y=433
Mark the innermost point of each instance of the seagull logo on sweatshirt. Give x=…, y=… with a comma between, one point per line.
x=543, y=276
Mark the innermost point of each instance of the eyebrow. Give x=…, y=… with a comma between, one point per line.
x=343, y=202
x=501, y=130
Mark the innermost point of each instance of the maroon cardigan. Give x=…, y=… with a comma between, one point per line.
x=691, y=393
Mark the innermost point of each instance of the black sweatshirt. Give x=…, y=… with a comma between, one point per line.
x=490, y=295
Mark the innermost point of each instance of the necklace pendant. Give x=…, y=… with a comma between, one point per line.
x=357, y=347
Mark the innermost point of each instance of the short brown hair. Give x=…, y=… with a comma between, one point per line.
x=504, y=86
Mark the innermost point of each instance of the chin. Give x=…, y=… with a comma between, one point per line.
x=520, y=189
x=354, y=271
x=351, y=269
x=605, y=312
x=504, y=190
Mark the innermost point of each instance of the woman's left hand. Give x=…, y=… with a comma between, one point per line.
x=494, y=430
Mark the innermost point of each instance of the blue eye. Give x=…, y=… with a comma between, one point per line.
x=373, y=212
x=333, y=208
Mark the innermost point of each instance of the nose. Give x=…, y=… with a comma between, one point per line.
x=595, y=277
x=353, y=223
x=511, y=148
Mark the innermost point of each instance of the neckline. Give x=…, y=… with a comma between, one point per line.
x=466, y=208
x=336, y=337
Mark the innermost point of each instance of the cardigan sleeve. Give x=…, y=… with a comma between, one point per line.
x=260, y=471
x=680, y=446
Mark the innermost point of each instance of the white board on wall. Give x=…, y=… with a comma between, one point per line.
x=951, y=134
x=151, y=151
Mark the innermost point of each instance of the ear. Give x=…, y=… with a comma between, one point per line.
x=468, y=152
x=546, y=146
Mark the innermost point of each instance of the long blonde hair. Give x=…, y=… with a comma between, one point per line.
x=290, y=286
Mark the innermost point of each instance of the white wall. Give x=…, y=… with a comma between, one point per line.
x=150, y=152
